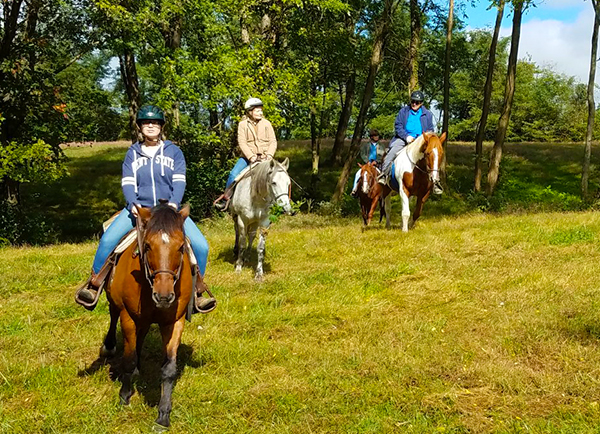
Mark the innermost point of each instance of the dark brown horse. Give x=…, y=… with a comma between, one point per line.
x=152, y=286
x=417, y=171
x=369, y=192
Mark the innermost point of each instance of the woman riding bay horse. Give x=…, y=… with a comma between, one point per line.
x=153, y=169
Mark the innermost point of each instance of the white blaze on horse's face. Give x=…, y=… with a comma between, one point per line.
x=165, y=238
x=281, y=187
x=365, y=183
x=435, y=173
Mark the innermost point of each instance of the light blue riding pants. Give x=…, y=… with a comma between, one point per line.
x=241, y=164
x=356, y=178
x=125, y=222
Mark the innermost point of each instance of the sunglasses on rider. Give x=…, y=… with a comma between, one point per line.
x=150, y=122
x=416, y=102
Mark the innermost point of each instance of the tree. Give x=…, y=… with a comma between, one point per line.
x=487, y=94
x=380, y=39
x=509, y=92
x=447, y=83
x=585, y=172
x=38, y=40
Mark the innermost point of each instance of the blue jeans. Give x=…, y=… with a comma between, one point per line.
x=125, y=222
x=241, y=164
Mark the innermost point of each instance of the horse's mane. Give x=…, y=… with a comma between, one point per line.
x=261, y=176
x=164, y=218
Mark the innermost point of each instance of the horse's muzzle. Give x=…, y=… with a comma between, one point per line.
x=437, y=188
x=163, y=302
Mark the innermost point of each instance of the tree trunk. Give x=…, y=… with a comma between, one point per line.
x=487, y=96
x=313, y=143
x=415, y=42
x=509, y=92
x=130, y=80
x=585, y=173
x=446, y=108
x=9, y=30
x=340, y=135
x=381, y=35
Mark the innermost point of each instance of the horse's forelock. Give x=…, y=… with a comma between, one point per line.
x=165, y=219
x=262, y=176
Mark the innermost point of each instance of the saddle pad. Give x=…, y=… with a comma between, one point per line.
x=394, y=184
x=244, y=171
x=131, y=238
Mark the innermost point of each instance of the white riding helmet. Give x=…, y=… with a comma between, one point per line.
x=252, y=102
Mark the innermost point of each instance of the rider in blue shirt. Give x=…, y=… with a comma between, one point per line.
x=369, y=152
x=412, y=121
x=153, y=169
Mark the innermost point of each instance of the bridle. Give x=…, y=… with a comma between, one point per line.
x=148, y=272
x=428, y=171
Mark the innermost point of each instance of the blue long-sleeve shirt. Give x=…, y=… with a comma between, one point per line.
x=402, y=119
x=146, y=179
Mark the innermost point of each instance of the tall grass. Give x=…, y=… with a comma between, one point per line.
x=471, y=323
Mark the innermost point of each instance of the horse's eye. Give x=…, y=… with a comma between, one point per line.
x=146, y=247
x=182, y=248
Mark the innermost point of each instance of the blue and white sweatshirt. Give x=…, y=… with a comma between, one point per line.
x=147, y=179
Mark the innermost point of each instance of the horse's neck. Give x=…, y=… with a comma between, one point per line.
x=413, y=151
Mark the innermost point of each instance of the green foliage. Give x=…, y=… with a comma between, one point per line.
x=29, y=162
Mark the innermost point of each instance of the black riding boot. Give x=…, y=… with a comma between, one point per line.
x=202, y=304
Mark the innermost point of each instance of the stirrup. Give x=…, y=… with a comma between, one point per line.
x=203, y=304
x=89, y=287
x=218, y=204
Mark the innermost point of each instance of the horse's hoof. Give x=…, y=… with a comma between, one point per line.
x=437, y=191
x=160, y=427
x=106, y=353
x=259, y=278
x=238, y=269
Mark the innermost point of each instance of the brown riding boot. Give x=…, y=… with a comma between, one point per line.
x=202, y=304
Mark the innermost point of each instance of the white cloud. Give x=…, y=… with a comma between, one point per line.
x=562, y=46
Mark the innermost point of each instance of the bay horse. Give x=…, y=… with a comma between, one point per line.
x=152, y=284
x=265, y=184
x=369, y=192
x=417, y=171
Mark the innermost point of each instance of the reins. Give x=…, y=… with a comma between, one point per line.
x=148, y=272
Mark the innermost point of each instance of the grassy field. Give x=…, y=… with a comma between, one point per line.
x=472, y=323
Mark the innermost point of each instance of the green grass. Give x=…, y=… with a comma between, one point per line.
x=470, y=323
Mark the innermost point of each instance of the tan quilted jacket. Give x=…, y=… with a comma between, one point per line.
x=256, y=141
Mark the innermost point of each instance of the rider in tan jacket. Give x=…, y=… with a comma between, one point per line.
x=257, y=141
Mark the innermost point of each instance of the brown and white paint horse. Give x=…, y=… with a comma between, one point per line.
x=369, y=192
x=417, y=169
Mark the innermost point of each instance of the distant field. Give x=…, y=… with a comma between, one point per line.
x=472, y=323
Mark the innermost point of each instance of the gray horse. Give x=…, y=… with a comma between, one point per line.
x=265, y=184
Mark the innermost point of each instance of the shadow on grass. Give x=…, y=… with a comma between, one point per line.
x=148, y=382
x=228, y=255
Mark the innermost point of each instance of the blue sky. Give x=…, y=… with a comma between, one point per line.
x=554, y=34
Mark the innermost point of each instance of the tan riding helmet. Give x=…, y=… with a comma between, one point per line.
x=252, y=103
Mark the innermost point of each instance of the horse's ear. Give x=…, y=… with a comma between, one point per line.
x=185, y=211
x=144, y=214
x=443, y=137
x=286, y=163
x=271, y=163
x=359, y=165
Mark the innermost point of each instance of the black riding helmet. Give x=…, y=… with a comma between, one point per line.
x=150, y=113
x=417, y=95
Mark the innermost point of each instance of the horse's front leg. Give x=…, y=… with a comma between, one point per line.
x=236, y=246
x=171, y=336
x=260, y=249
x=374, y=203
x=419, y=206
x=241, y=245
x=129, y=330
x=109, y=348
x=405, y=208
x=388, y=211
